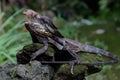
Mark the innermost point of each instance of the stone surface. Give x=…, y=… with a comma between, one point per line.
x=31, y=71
x=61, y=71
x=35, y=70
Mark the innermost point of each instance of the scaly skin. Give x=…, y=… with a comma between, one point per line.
x=77, y=47
x=80, y=47
x=42, y=29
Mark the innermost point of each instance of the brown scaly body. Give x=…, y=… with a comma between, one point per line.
x=34, y=17
x=59, y=41
x=77, y=47
x=43, y=24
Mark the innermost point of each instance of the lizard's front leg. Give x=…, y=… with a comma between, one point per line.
x=67, y=48
x=59, y=46
x=40, y=51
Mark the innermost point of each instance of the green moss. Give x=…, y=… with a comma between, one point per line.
x=76, y=70
x=79, y=68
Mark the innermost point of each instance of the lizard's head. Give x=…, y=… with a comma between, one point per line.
x=31, y=15
x=38, y=24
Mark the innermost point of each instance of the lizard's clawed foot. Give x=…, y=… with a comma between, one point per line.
x=72, y=63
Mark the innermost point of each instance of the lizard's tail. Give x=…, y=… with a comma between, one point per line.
x=98, y=63
x=92, y=49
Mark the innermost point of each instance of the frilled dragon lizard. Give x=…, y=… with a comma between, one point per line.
x=43, y=31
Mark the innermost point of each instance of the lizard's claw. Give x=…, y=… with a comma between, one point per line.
x=72, y=63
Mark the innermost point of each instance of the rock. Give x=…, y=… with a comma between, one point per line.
x=35, y=70
x=61, y=71
x=31, y=71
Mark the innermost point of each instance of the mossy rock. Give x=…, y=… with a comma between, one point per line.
x=61, y=71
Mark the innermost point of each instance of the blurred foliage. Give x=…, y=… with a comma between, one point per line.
x=12, y=38
x=68, y=9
